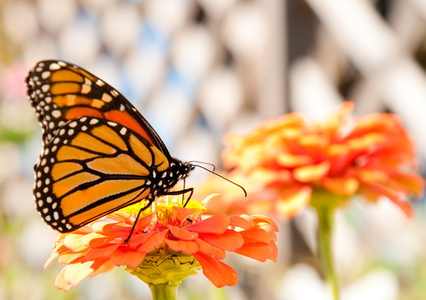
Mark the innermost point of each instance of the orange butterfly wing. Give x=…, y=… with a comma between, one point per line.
x=60, y=92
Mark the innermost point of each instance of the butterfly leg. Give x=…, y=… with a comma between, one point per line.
x=182, y=192
x=137, y=218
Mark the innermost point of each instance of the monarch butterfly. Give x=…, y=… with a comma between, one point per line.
x=99, y=153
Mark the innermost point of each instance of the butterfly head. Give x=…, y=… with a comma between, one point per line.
x=180, y=170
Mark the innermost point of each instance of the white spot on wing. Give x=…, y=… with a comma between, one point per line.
x=85, y=89
x=106, y=97
x=44, y=88
x=45, y=74
x=56, y=114
x=54, y=66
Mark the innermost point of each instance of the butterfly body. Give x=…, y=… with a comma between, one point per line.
x=99, y=153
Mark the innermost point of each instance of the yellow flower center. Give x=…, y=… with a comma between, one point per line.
x=163, y=207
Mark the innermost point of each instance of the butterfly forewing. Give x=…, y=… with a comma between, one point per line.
x=90, y=168
x=60, y=92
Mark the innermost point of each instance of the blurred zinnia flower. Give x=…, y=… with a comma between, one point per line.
x=169, y=243
x=287, y=160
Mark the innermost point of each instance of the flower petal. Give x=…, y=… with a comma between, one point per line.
x=312, y=172
x=60, y=281
x=256, y=235
x=142, y=223
x=408, y=183
x=210, y=249
x=70, y=257
x=229, y=240
x=345, y=186
x=138, y=239
x=374, y=191
x=75, y=273
x=122, y=256
x=293, y=200
x=290, y=160
x=51, y=258
x=216, y=224
x=257, y=251
x=257, y=219
x=216, y=271
x=188, y=247
x=182, y=233
x=152, y=242
x=101, y=252
x=74, y=242
x=103, y=227
x=105, y=267
x=241, y=221
x=181, y=213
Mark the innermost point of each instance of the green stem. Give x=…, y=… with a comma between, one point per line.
x=163, y=291
x=325, y=229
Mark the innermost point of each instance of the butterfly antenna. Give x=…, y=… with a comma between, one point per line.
x=223, y=177
x=205, y=163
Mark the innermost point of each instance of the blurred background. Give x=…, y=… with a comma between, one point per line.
x=197, y=69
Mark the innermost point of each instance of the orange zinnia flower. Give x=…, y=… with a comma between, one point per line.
x=288, y=159
x=169, y=233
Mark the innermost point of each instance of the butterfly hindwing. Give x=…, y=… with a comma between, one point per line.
x=60, y=92
x=92, y=167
